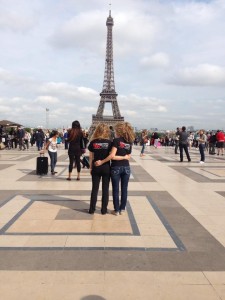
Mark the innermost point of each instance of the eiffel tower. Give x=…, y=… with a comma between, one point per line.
x=108, y=94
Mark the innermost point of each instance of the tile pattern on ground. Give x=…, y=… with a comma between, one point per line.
x=141, y=227
x=179, y=218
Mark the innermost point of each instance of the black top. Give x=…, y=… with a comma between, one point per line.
x=123, y=148
x=155, y=135
x=75, y=145
x=101, y=149
x=39, y=136
x=183, y=137
x=20, y=133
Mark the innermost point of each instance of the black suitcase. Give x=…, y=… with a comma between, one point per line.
x=85, y=162
x=42, y=165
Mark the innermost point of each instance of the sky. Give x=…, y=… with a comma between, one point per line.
x=169, y=64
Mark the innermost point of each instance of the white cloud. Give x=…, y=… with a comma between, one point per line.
x=157, y=60
x=18, y=17
x=5, y=109
x=131, y=113
x=168, y=61
x=16, y=22
x=88, y=109
x=135, y=32
x=76, y=31
x=201, y=75
x=46, y=100
x=87, y=31
x=67, y=90
x=198, y=13
x=18, y=100
x=10, y=78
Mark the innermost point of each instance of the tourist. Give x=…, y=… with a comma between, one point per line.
x=27, y=138
x=75, y=138
x=99, y=148
x=212, y=143
x=201, y=145
x=190, y=140
x=20, y=137
x=65, y=139
x=39, y=138
x=144, y=140
x=177, y=140
x=51, y=146
x=14, y=140
x=136, y=140
x=183, y=144
x=220, y=137
x=120, y=169
x=156, y=139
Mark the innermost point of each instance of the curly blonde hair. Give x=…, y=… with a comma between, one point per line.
x=125, y=130
x=102, y=131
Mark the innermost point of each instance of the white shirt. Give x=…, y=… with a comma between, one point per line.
x=53, y=145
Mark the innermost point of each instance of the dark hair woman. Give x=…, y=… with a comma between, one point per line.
x=75, y=137
x=51, y=146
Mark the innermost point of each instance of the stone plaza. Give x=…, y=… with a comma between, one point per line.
x=168, y=245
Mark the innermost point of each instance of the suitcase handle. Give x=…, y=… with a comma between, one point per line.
x=42, y=154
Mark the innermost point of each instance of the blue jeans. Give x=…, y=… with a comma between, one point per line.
x=39, y=145
x=120, y=174
x=202, y=151
x=53, y=159
x=143, y=148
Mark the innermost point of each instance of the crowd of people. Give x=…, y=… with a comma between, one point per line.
x=109, y=153
x=213, y=142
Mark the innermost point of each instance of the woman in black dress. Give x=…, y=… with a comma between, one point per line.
x=75, y=137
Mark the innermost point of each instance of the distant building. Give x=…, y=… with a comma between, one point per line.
x=190, y=128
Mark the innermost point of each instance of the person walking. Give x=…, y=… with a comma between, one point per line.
x=20, y=137
x=27, y=138
x=190, y=140
x=51, y=146
x=75, y=140
x=144, y=140
x=212, y=143
x=65, y=139
x=156, y=139
x=39, y=138
x=201, y=145
x=120, y=169
x=183, y=144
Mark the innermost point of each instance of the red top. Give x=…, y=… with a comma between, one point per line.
x=220, y=136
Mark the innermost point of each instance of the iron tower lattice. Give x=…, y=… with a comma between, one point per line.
x=108, y=94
